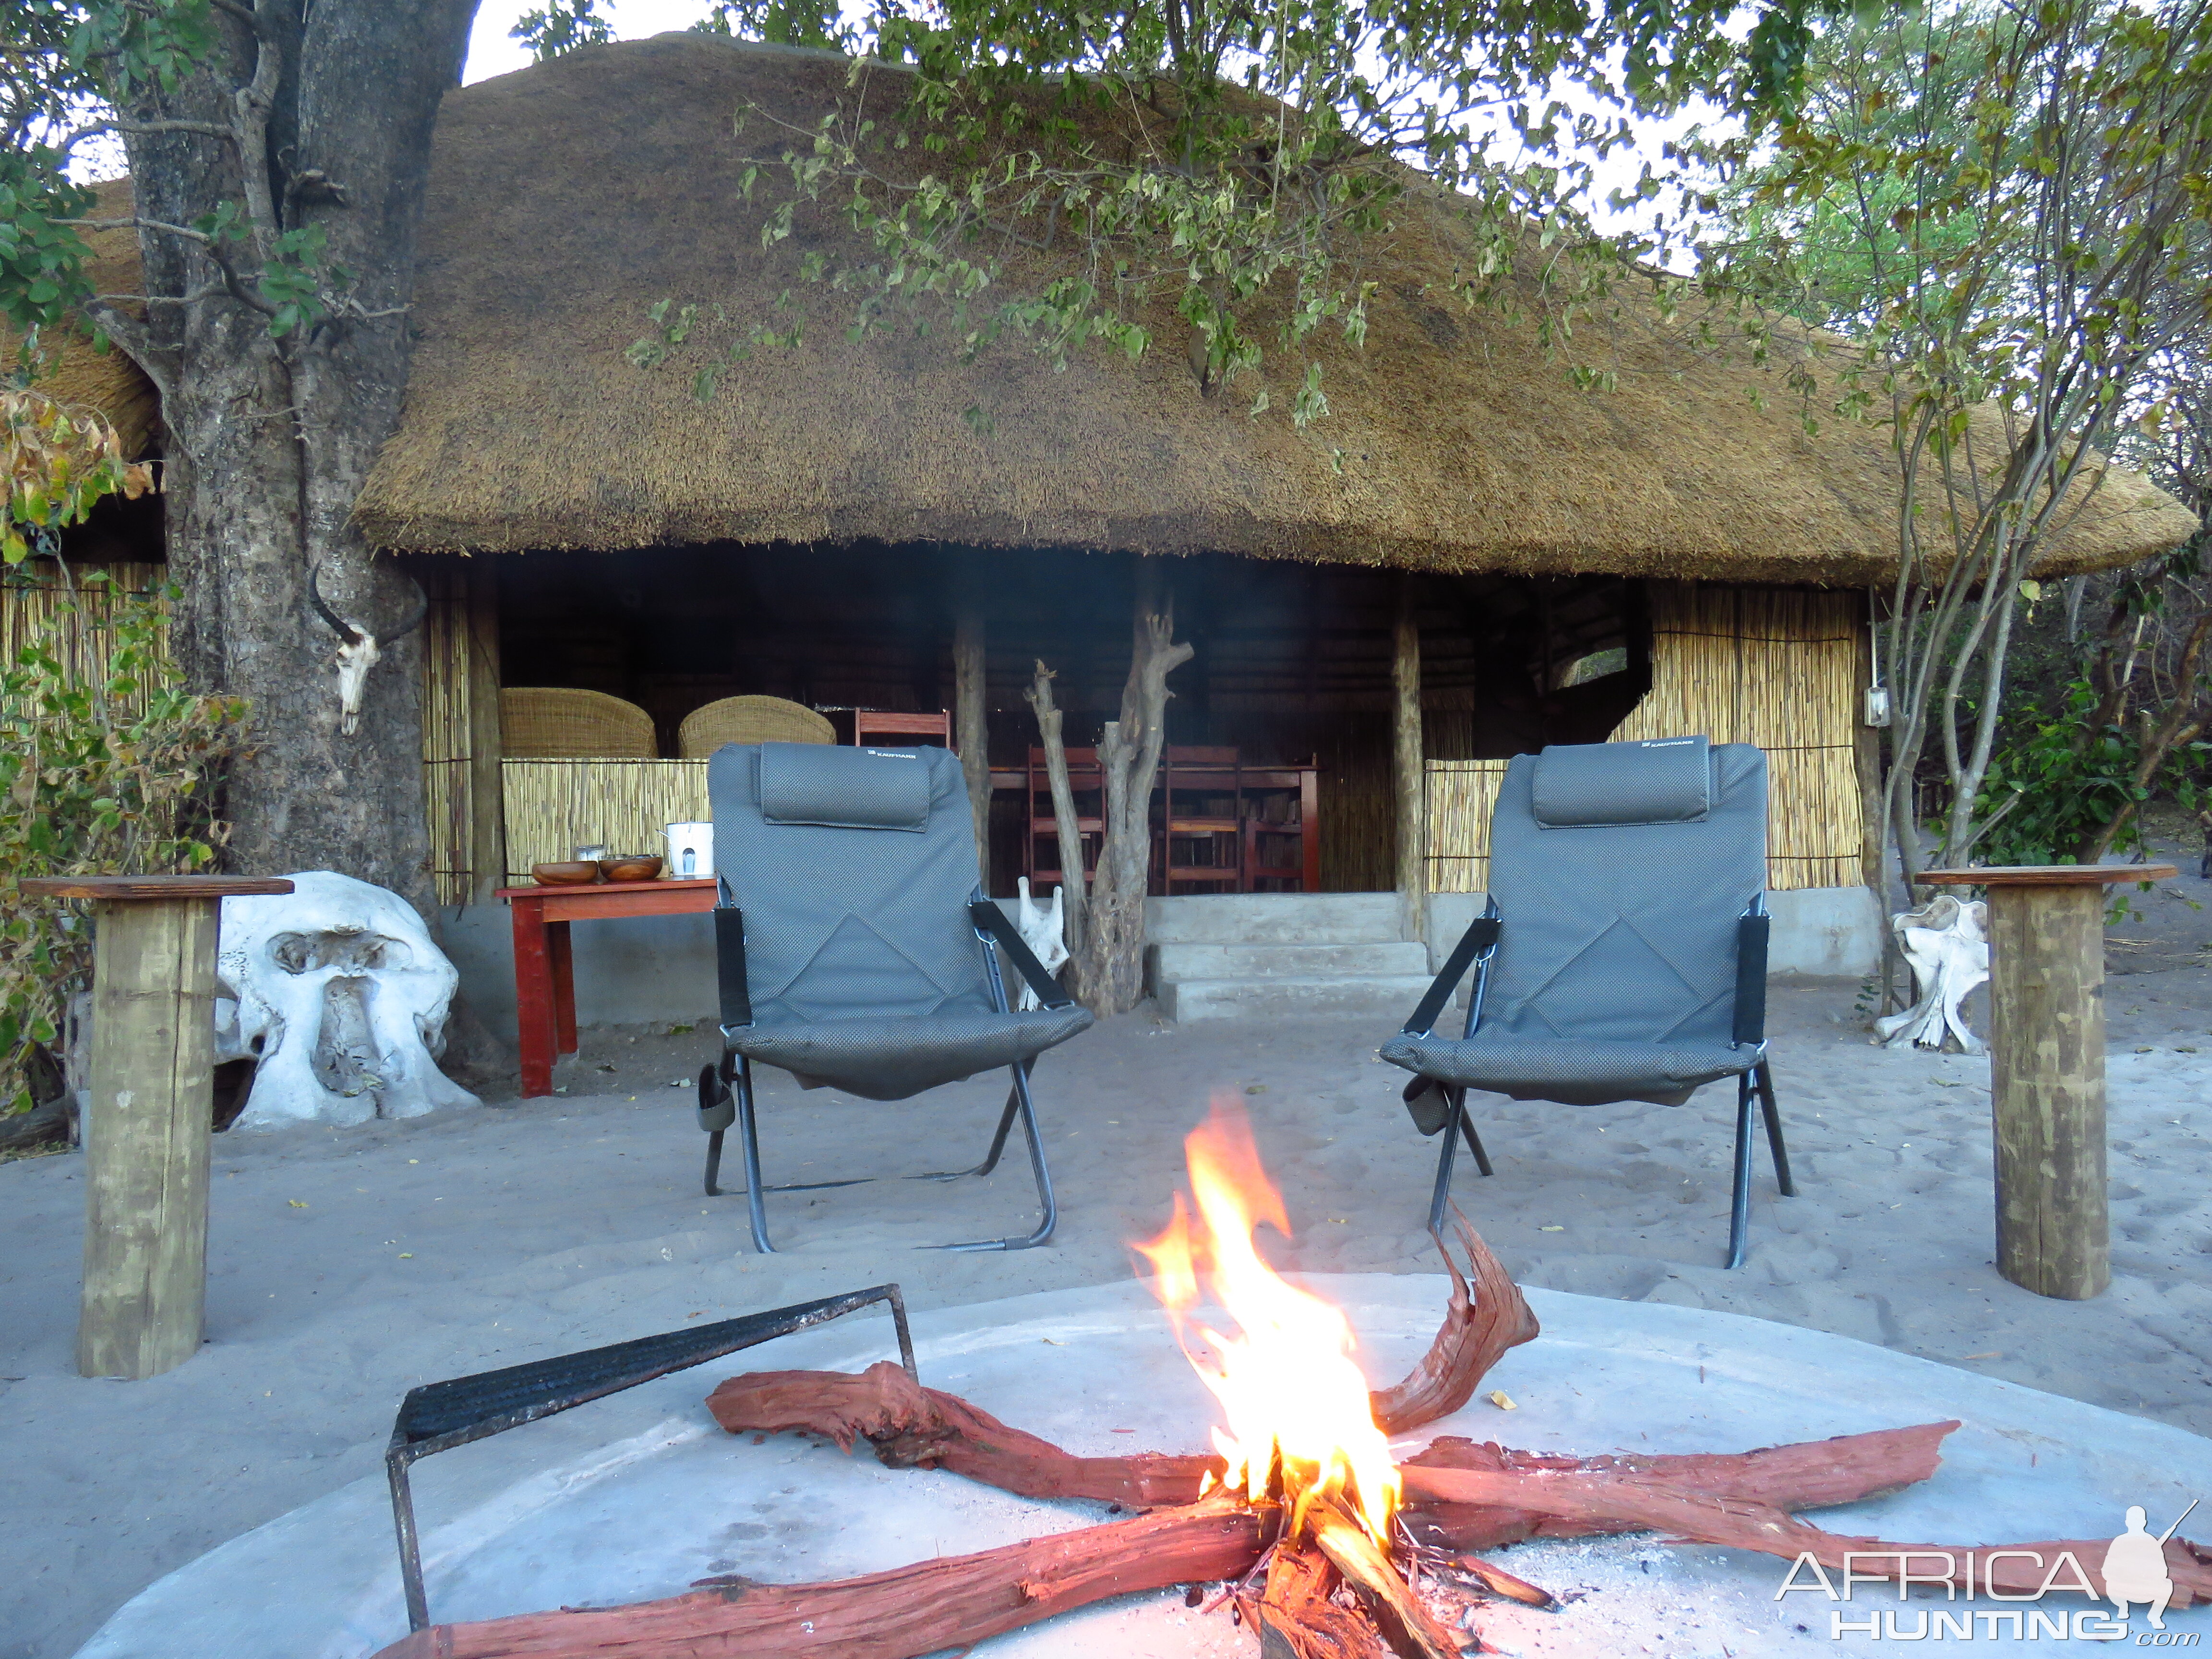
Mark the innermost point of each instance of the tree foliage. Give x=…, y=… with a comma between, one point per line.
x=2006, y=205
x=1224, y=166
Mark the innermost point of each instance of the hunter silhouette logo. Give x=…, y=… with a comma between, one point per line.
x=2135, y=1566
x=2133, y=1571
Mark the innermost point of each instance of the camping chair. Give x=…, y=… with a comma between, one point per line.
x=1623, y=953
x=854, y=949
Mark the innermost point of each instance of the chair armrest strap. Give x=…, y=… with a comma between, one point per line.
x=990, y=919
x=1481, y=936
x=736, y=1000
x=1751, y=931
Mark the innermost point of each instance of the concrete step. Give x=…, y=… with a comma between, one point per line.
x=1385, y=998
x=1188, y=962
x=1273, y=918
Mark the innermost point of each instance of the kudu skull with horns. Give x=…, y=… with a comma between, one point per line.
x=358, y=648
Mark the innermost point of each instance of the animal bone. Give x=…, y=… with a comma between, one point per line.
x=359, y=650
x=339, y=995
x=1042, y=930
x=1947, y=942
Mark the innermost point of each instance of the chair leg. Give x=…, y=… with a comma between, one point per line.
x=714, y=1162
x=1740, y=1201
x=1455, y=1116
x=1047, y=1203
x=748, y=1129
x=998, y=1141
x=1473, y=1140
x=1764, y=1077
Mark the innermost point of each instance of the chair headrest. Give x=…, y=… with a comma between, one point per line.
x=1660, y=781
x=840, y=788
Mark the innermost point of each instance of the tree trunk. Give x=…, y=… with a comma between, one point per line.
x=271, y=435
x=1066, y=827
x=1110, y=969
x=1407, y=770
x=971, y=730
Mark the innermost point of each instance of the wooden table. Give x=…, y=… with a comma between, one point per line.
x=152, y=1109
x=545, y=968
x=2047, y=1067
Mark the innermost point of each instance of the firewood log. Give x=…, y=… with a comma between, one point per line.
x=910, y=1611
x=1807, y=1475
x=914, y=1427
x=1478, y=1327
x=1410, y=1630
x=1296, y=1618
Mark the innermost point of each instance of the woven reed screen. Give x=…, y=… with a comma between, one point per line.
x=34, y=597
x=553, y=807
x=447, y=793
x=1777, y=667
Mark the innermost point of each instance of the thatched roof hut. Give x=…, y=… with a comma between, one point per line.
x=567, y=198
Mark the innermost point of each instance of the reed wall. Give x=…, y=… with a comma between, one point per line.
x=449, y=805
x=553, y=807
x=35, y=596
x=1777, y=667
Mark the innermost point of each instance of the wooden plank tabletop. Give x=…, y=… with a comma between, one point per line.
x=154, y=887
x=579, y=889
x=2048, y=875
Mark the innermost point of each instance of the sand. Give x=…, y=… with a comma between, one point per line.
x=349, y=1266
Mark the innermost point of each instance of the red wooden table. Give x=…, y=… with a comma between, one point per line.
x=545, y=968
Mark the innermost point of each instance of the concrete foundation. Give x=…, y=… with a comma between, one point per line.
x=637, y=1496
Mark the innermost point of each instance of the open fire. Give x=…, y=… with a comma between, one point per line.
x=1300, y=1424
x=1318, y=1540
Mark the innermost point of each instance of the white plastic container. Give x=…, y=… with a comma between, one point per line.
x=690, y=850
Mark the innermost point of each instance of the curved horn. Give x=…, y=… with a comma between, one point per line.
x=421, y=610
x=346, y=630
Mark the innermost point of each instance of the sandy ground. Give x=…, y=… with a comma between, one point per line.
x=401, y=1253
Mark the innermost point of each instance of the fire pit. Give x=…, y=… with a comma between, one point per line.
x=630, y=1501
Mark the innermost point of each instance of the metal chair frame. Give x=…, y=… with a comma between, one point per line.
x=729, y=1084
x=1476, y=947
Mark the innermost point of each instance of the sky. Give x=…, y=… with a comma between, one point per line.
x=491, y=52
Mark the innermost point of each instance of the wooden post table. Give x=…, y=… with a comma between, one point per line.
x=151, y=1114
x=2047, y=1067
x=545, y=968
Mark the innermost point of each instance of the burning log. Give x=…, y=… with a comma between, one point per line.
x=1405, y=1623
x=1809, y=1475
x=913, y=1427
x=918, y=1609
x=1298, y=1620
x=1478, y=1328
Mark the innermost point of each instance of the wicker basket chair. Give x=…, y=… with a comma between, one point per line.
x=558, y=723
x=750, y=719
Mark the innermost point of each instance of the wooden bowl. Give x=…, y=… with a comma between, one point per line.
x=642, y=866
x=569, y=872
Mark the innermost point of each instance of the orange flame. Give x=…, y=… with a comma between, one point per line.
x=1286, y=1380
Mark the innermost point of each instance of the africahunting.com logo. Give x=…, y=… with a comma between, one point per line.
x=2131, y=1572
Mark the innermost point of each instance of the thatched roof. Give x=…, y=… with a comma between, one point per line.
x=567, y=198
x=75, y=372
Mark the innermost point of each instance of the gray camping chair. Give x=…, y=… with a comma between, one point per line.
x=1623, y=955
x=854, y=949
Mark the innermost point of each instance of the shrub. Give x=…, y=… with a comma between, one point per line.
x=107, y=767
